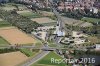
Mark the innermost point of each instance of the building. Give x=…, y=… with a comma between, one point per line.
x=74, y=41
x=76, y=4
x=59, y=31
x=97, y=47
x=94, y=10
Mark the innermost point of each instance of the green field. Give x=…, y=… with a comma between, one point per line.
x=28, y=52
x=3, y=42
x=51, y=43
x=49, y=24
x=30, y=15
x=4, y=24
x=46, y=61
x=11, y=6
x=90, y=19
x=7, y=7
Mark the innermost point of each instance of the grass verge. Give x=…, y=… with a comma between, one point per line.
x=3, y=42
x=4, y=24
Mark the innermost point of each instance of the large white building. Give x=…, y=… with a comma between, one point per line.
x=59, y=31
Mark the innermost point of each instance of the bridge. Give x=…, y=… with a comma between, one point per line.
x=44, y=48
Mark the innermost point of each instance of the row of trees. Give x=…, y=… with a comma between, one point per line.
x=19, y=21
x=7, y=50
x=5, y=1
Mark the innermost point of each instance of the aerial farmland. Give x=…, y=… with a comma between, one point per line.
x=49, y=33
x=15, y=36
x=12, y=59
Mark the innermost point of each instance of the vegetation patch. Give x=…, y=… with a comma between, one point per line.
x=94, y=39
x=87, y=19
x=46, y=61
x=49, y=24
x=7, y=50
x=4, y=24
x=51, y=43
x=8, y=7
x=27, y=52
x=19, y=21
x=30, y=14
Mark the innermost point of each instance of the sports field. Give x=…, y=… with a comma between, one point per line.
x=12, y=59
x=15, y=36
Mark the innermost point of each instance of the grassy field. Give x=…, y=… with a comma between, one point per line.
x=49, y=24
x=30, y=15
x=8, y=7
x=46, y=61
x=51, y=43
x=4, y=24
x=11, y=6
x=90, y=19
x=3, y=42
x=38, y=44
x=27, y=52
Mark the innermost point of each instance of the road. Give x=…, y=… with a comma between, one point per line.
x=45, y=48
x=59, y=19
x=38, y=57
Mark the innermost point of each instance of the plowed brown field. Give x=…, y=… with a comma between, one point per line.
x=15, y=36
x=12, y=59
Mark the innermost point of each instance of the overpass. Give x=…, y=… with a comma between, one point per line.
x=44, y=48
